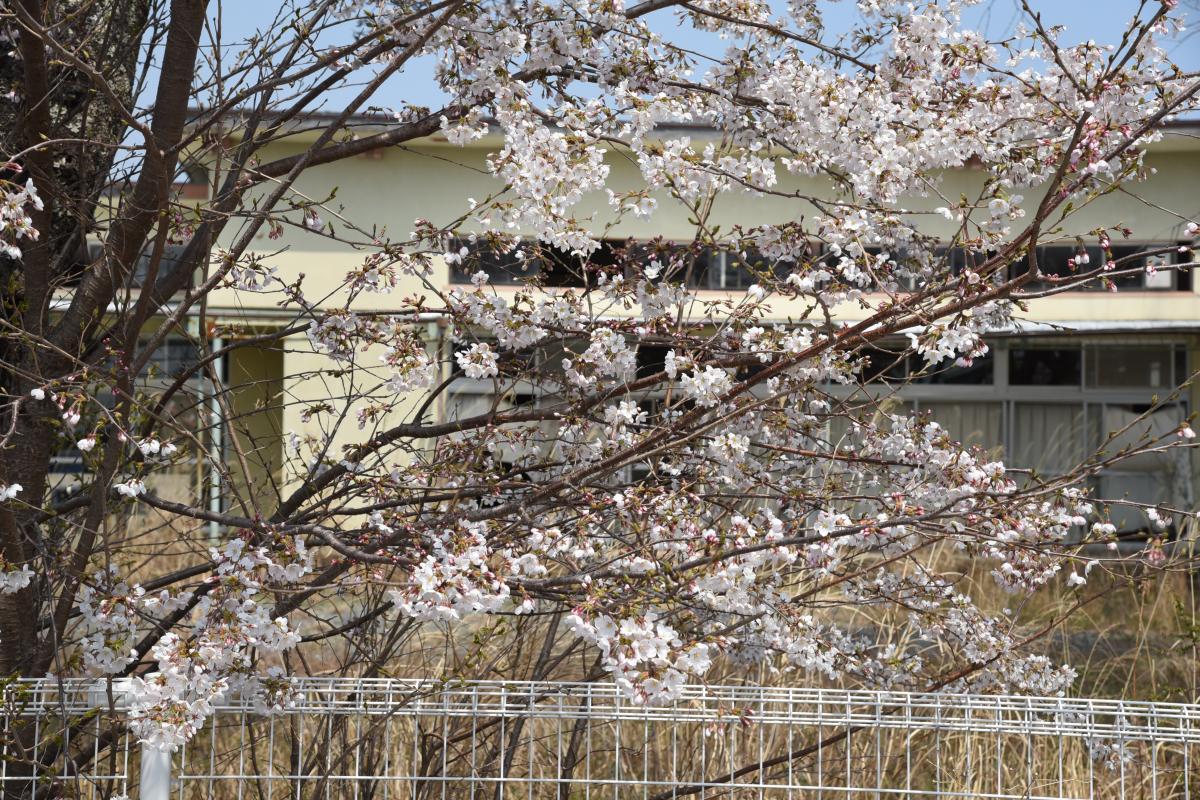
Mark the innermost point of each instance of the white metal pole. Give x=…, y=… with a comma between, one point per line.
x=217, y=438
x=155, y=783
x=156, y=774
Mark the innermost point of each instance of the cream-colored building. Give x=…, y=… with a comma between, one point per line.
x=1084, y=363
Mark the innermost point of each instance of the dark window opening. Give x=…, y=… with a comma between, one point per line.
x=885, y=270
x=192, y=181
x=981, y=372
x=1045, y=367
x=879, y=365
x=960, y=259
x=1118, y=366
x=651, y=360
x=170, y=264
x=1183, y=277
x=190, y=172
x=734, y=269
x=174, y=357
x=551, y=266
x=640, y=473
x=1060, y=262
x=84, y=256
x=748, y=371
x=653, y=407
x=501, y=267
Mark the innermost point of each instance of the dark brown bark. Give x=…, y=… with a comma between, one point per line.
x=66, y=130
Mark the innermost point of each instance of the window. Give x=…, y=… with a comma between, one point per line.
x=1048, y=405
x=185, y=411
x=882, y=365
x=192, y=181
x=897, y=272
x=710, y=268
x=981, y=372
x=961, y=258
x=1045, y=366
x=173, y=357
x=559, y=268
x=1062, y=261
x=732, y=270
x=651, y=360
x=501, y=268
x=1047, y=437
x=171, y=261
x=1160, y=477
x=551, y=266
x=907, y=268
x=1119, y=366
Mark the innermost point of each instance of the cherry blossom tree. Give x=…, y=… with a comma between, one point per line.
x=744, y=497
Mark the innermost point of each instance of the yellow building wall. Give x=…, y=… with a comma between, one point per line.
x=387, y=193
x=383, y=194
x=312, y=403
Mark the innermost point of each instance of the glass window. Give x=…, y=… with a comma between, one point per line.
x=742, y=269
x=501, y=268
x=1045, y=366
x=879, y=364
x=651, y=360
x=1132, y=426
x=464, y=405
x=899, y=261
x=733, y=270
x=560, y=268
x=1062, y=261
x=176, y=355
x=171, y=262
x=554, y=267
x=1056, y=260
x=982, y=372
x=639, y=255
x=1117, y=366
x=717, y=269
x=1115, y=486
x=961, y=258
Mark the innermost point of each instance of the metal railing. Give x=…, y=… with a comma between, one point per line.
x=425, y=740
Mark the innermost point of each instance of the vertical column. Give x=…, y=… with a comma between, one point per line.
x=156, y=774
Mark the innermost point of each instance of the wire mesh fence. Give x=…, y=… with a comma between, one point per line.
x=419, y=740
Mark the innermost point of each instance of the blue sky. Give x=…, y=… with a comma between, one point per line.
x=1098, y=20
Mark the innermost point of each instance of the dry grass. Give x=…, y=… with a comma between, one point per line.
x=1136, y=637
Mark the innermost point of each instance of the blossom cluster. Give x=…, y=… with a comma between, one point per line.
x=231, y=629
x=15, y=223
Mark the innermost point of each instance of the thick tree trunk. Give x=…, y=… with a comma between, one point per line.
x=57, y=102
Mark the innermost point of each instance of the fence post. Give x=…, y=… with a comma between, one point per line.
x=155, y=781
x=156, y=774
